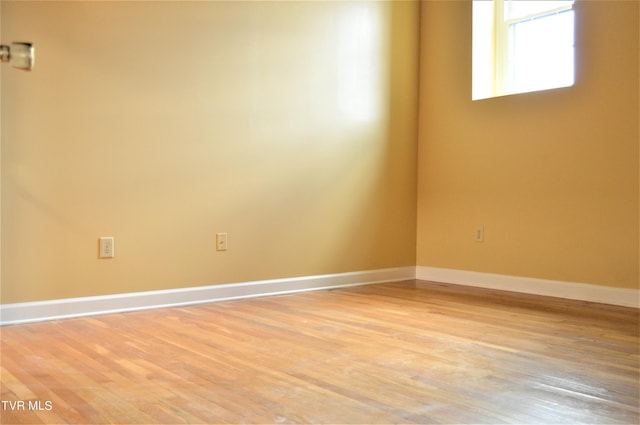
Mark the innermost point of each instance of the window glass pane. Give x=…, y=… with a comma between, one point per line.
x=521, y=8
x=542, y=52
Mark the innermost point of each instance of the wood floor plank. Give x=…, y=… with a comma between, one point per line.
x=405, y=352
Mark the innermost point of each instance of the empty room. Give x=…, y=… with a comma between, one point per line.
x=320, y=212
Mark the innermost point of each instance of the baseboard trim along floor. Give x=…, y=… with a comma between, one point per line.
x=87, y=306
x=551, y=288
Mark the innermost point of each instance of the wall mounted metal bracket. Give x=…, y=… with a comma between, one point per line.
x=19, y=55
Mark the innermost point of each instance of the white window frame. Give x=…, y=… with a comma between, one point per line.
x=504, y=45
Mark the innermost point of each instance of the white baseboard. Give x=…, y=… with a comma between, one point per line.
x=38, y=311
x=552, y=288
x=87, y=306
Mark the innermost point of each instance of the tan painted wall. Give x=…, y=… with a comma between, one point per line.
x=286, y=126
x=290, y=125
x=553, y=176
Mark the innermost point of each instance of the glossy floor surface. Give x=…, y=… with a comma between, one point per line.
x=405, y=352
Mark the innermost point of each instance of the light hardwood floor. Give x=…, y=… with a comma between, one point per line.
x=405, y=352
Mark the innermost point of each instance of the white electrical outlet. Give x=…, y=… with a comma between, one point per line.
x=480, y=234
x=107, y=246
x=221, y=241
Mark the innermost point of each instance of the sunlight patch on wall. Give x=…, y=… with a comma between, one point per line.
x=360, y=61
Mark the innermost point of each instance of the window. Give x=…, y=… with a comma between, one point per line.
x=521, y=46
